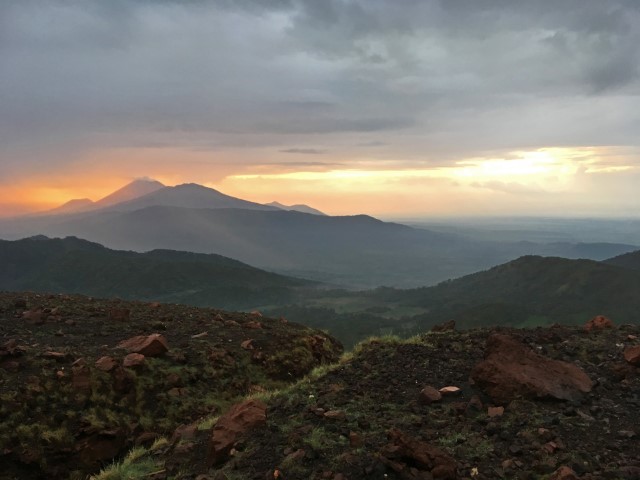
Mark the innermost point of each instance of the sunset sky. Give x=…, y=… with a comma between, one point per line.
x=393, y=108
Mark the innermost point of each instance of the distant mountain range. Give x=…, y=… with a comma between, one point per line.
x=355, y=251
x=72, y=265
x=136, y=189
x=296, y=208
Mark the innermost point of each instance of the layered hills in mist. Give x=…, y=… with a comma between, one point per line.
x=350, y=251
x=528, y=291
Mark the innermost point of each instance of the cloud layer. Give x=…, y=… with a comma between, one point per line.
x=411, y=82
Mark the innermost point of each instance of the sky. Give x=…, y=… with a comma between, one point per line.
x=393, y=108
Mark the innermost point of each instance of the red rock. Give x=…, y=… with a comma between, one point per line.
x=495, y=412
x=412, y=458
x=60, y=356
x=335, y=415
x=152, y=346
x=511, y=370
x=133, y=360
x=119, y=314
x=599, y=322
x=106, y=363
x=429, y=395
x=247, y=344
x=34, y=316
x=632, y=355
x=550, y=447
x=450, y=390
x=564, y=473
x=240, y=419
x=253, y=325
x=154, y=305
x=256, y=314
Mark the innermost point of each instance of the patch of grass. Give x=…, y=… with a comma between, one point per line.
x=137, y=464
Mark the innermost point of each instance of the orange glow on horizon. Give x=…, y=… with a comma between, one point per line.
x=473, y=185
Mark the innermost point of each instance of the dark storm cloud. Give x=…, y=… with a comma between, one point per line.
x=450, y=77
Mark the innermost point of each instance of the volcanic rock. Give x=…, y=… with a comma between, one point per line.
x=33, y=316
x=511, y=370
x=415, y=459
x=564, y=473
x=133, y=360
x=450, y=391
x=231, y=426
x=632, y=355
x=495, y=411
x=152, y=346
x=599, y=322
x=106, y=364
x=429, y=395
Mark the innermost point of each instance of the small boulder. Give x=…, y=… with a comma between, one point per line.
x=564, y=473
x=412, y=458
x=133, y=360
x=106, y=363
x=36, y=317
x=153, y=345
x=450, y=391
x=247, y=344
x=334, y=415
x=231, y=426
x=429, y=395
x=495, y=412
x=512, y=370
x=599, y=322
x=632, y=355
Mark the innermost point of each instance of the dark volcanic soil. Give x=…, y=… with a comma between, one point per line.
x=62, y=416
x=377, y=390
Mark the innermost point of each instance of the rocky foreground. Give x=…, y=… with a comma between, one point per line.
x=83, y=380
x=561, y=403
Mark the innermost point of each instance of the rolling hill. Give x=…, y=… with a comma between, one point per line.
x=530, y=291
x=71, y=265
x=628, y=260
